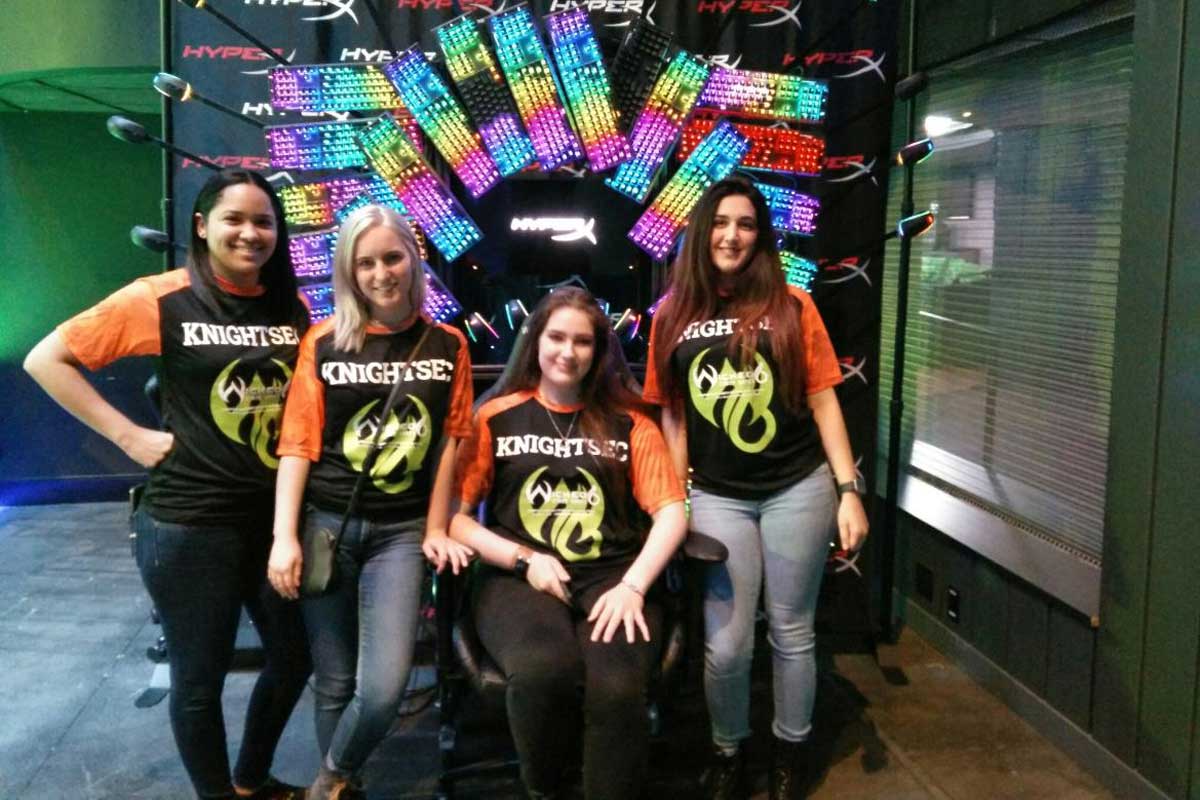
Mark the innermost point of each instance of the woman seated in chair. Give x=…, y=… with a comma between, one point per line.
x=570, y=465
x=363, y=629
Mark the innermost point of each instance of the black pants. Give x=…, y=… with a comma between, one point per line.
x=544, y=648
x=199, y=578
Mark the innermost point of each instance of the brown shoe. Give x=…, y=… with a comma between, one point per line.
x=275, y=789
x=329, y=785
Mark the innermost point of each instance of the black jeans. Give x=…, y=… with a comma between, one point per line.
x=199, y=577
x=546, y=652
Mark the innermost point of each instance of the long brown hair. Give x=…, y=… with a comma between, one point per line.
x=604, y=390
x=760, y=294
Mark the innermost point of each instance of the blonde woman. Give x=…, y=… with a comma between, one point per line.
x=362, y=631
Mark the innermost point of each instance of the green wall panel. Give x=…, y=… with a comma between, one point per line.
x=991, y=604
x=1133, y=439
x=1168, y=726
x=1013, y=17
x=1028, y=623
x=48, y=35
x=69, y=193
x=1070, y=645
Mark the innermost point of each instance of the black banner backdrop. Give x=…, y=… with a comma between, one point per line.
x=851, y=44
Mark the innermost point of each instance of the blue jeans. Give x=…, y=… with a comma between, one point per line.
x=362, y=634
x=199, y=577
x=778, y=545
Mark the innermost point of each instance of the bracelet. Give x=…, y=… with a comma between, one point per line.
x=633, y=587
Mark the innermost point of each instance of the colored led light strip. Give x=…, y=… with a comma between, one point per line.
x=314, y=145
x=332, y=87
x=589, y=98
x=765, y=94
x=713, y=159
x=443, y=120
x=658, y=125
x=318, y=203
x=320, y=300
x=428, y=201
x=312, y=253
x=642, y=56
x=791, y=211
x=800, y=272
x=627, y=325
x=523, y=59
x=774, y=149
x=440, y=305
x=487, y=99
x=476, y=322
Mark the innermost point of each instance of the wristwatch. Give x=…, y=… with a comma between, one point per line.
x=858, y=486
x=521, y=562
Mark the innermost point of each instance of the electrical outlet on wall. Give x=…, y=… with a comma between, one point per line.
x=953, y=599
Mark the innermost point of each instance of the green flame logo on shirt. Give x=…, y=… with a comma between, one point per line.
x=403, y=444
x=575, y=514
x=234, y=399
x=747, y=395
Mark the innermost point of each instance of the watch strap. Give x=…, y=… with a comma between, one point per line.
x=855, y=486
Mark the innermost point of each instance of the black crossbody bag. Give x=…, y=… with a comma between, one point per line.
x=318, y=570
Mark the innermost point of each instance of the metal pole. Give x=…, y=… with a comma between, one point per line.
x=166, y=59
x=888, y=627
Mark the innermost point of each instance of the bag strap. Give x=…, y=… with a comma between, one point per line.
x=373, y=450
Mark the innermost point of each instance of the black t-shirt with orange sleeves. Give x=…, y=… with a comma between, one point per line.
x=334, y=406
x=561, y=492
x=222, y=378
x=742, y=440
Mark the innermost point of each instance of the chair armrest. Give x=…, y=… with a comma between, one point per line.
x=701, y=547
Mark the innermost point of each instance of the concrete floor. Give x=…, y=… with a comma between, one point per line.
x=74, y=628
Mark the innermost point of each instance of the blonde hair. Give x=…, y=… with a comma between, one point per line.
x=351, y=313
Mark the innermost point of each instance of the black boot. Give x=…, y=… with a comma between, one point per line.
x=789, y=770
x=725, y=778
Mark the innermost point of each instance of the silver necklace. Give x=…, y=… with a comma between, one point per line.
x=557, y=429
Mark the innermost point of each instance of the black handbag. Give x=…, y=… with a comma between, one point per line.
x=318, y=569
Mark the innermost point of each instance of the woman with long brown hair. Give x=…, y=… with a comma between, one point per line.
x=745, y=373
x=570, y=466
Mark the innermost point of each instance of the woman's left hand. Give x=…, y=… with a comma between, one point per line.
x=852, y=522
x=441, y=550
x=619, y=605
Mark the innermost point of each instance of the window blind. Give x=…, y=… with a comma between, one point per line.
x=1009, y=354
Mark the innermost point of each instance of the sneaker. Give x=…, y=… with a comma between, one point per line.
x=725, y=778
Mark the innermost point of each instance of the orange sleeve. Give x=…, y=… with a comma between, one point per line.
x=655, y=483
x=821, y=364
x=304, y=413
x=474, y=468
x=462, y=391
x=650, y=390
x=123, y=324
